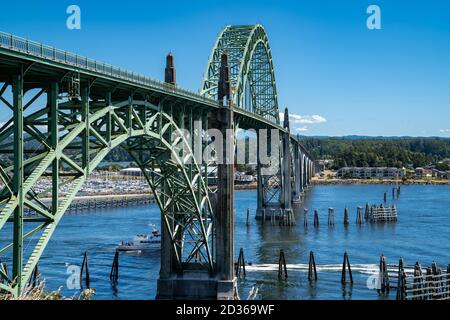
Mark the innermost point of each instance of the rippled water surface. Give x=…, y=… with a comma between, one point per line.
x=421, y=234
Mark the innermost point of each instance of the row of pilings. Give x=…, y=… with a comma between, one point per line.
x=412, y=282
x=371, y=214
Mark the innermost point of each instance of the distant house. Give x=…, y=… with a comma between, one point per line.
x=370, y=172
x=423, y=173
x=440, y=174
x=242, y=177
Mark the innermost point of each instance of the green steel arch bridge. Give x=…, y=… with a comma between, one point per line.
x=64, y=113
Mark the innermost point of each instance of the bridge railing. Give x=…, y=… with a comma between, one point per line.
x=40, y=50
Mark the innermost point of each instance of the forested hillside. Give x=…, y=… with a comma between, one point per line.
x=374, y=152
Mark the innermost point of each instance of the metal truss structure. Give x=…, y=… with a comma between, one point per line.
x=65, y=142
x=251, y=68
x=65, y=113
x=253, y=88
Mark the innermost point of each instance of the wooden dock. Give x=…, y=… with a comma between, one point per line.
x=90, y=203
x=431, y=283
x=380, y=213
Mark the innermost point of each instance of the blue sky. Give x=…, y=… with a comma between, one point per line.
x=329, y=66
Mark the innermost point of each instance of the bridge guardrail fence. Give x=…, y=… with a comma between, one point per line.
x=40, y=50
x=71, y=59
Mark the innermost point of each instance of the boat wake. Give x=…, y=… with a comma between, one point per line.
x=301, y=267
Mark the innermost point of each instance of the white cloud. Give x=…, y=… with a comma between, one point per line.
x=301, y=129
x=299, y=119
x=445, y=130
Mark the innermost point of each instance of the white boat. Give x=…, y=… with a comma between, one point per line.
x=142, y=242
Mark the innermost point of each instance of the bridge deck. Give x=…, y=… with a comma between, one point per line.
x=43, y=58
x=50, y=54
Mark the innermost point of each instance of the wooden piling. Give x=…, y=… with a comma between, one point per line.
x=345, y=265
x=282, y=269
x=312, y=271
x=401, y=284
x=367, y=212
x=384, y=281
x=434, y=268
x=263, y=220
x=316, y=218
x=282, y=217
x=114, y=274
x=305, y=217
x=435, y=271
x=428, y=283
x=359, y=216
x=417, y=284
x=330, y=216
x=447, y=283
x=248, y=217
x=240, y=265
x=85, y=269
x=287, y=218
x=346, y=217
x=292, y=221
x=385, y=196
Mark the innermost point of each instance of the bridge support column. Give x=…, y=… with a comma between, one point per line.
x=219, y=282
x=224, y=210
x=286, y=184
x=310, y=168
x=52, y=102
x=298, y=186
x=189, y=280
x=17, y=89
x=261, y=196
x=269, y=175
x=86, y=132
x=306, y=173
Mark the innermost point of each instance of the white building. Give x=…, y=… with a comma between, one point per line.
x=133, y=172
x=370, y=172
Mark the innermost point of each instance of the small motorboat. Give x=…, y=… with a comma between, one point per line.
x=143, y=242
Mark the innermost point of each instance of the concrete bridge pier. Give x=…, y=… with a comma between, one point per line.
x=270, y=178
x=298, y=185
x=192, y=281
x=310, y=171
x=275, y=189
x=306, y=174
x=224, y=210
x=286, y=183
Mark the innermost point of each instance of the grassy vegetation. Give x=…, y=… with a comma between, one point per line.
x=39, y=292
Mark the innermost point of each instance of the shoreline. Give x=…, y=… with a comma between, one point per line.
x=137, y=194
x=317, y=181
x=253, y=186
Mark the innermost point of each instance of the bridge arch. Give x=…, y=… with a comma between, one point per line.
x=146, y=133
x=251, y=67
x=92, y=126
